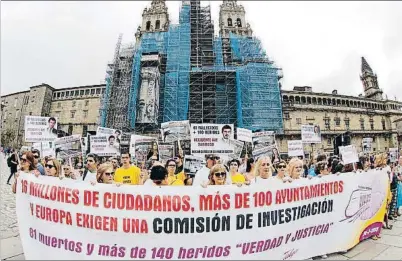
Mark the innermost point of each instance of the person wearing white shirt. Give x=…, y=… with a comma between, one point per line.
x=263, y=170
x=202, y=176
x=91, y=168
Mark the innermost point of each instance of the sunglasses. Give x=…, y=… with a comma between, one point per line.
x=214, y=158
x=36, y=156
x=49, y=166
x=109, y=174
x=220, y=174
x=281, y=166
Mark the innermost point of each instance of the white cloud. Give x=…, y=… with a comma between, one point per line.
x=316, y=43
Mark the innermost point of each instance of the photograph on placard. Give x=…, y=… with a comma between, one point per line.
x=104, y=145
x=212, y=139
x=67, y=147
x=263, y=139
x=192, y=164
x=40, y=129
x=311, y=133
x=175, y=130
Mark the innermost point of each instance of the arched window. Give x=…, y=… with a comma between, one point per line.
x=157, y=24
x=230, y=22
x=148, y=26
x=238, y=22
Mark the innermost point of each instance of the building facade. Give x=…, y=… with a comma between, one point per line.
x=76, y=109
x=366, y=116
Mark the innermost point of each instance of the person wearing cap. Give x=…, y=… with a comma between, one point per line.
x=202, y=176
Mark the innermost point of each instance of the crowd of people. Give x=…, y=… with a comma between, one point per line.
x=216, y=171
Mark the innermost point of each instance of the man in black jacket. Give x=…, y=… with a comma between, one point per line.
x=13, y=165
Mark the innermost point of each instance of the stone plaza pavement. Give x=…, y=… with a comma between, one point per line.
x=389, y=247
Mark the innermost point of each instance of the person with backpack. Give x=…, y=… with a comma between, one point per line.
x=12, y=163
x=91, y=168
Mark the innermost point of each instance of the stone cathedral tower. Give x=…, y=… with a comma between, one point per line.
x=370, y=83
x=232, y=19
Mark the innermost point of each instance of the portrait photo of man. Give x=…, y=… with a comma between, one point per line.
x=226, y=133
x=51, y=130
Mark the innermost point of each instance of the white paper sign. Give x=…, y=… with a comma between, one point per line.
x=40, y=129
x=46, y=149
x=295, y=148
x=349, y=154
x=244, y=135
x=212, y=138
x=142, y=147
x=104, y=145
x=367, y=145
x=393, y=154
x=101, y=131
x=311, y=133
x=192, y=164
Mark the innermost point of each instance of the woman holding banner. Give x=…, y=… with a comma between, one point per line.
x=53, y=168
x=27, y=165
x=263, y=169
x=105, y=174
x=295, y=168
x=217, y=175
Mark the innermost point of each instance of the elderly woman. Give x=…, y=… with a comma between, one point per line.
x=263, y=169
x=53, y=168
x=295, y=168
x=217, y=175
x=105, y=173
x=321, y=169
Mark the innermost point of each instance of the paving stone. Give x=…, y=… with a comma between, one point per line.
x=395, y=231
x=390, y=240
x=11, y=247
x=19, y=257
x=359, y=248
x=371, y=252
x=391, y=253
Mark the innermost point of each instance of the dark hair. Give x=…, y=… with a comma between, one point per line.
x=158, y=174
x=94, y=156
x=111, y=136
x=249, y=162
x=320, y=166
x=36, y=151
x=167, y=162
x=30, y=158
x=51, y=119
x=234, y=160
x=187, y=180
x=321, y=157
x=118, y=131
x=226, y=127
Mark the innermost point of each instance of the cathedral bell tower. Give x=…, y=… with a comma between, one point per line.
x=154, y=18
x=370, y=83
x=232, y=18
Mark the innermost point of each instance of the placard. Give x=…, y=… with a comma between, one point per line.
x=101, y=131
x=367, y=145
x=244, y=135
x=104, y=145
x=143, y=147
x=166, y=152
x=212, y=139
x=67, y=147
x=295, y=148
x=175, y=130
x=192, y=164
x=393, y=155
x=263, y=139
x=311, y=133
x=349, y=154
x=40, y=129
x=46, y=149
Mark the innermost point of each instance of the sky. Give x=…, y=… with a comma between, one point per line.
x=318, y=44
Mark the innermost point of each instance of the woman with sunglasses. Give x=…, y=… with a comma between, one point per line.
x=105, y=173
x=237, y=178
x=281, y=168
x=173, y=179
x=53, y=168
x=217, y=175
x=27, y=165
x=263, y=169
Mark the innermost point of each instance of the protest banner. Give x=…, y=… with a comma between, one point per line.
x=211, y=138
x=104, y=145
x=166, y=151
x=175, y=130
x=192, y=164
x=295, y=148
x=348, y=154
x=46, y=149
x=367, y=145
x=244, y=135
x=393, y=154
x=67, y=147
x=278, y=221
x=40, y=129
x=143, y=147
x=311, y=133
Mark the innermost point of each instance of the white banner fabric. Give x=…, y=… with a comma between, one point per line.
x=267, y=220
